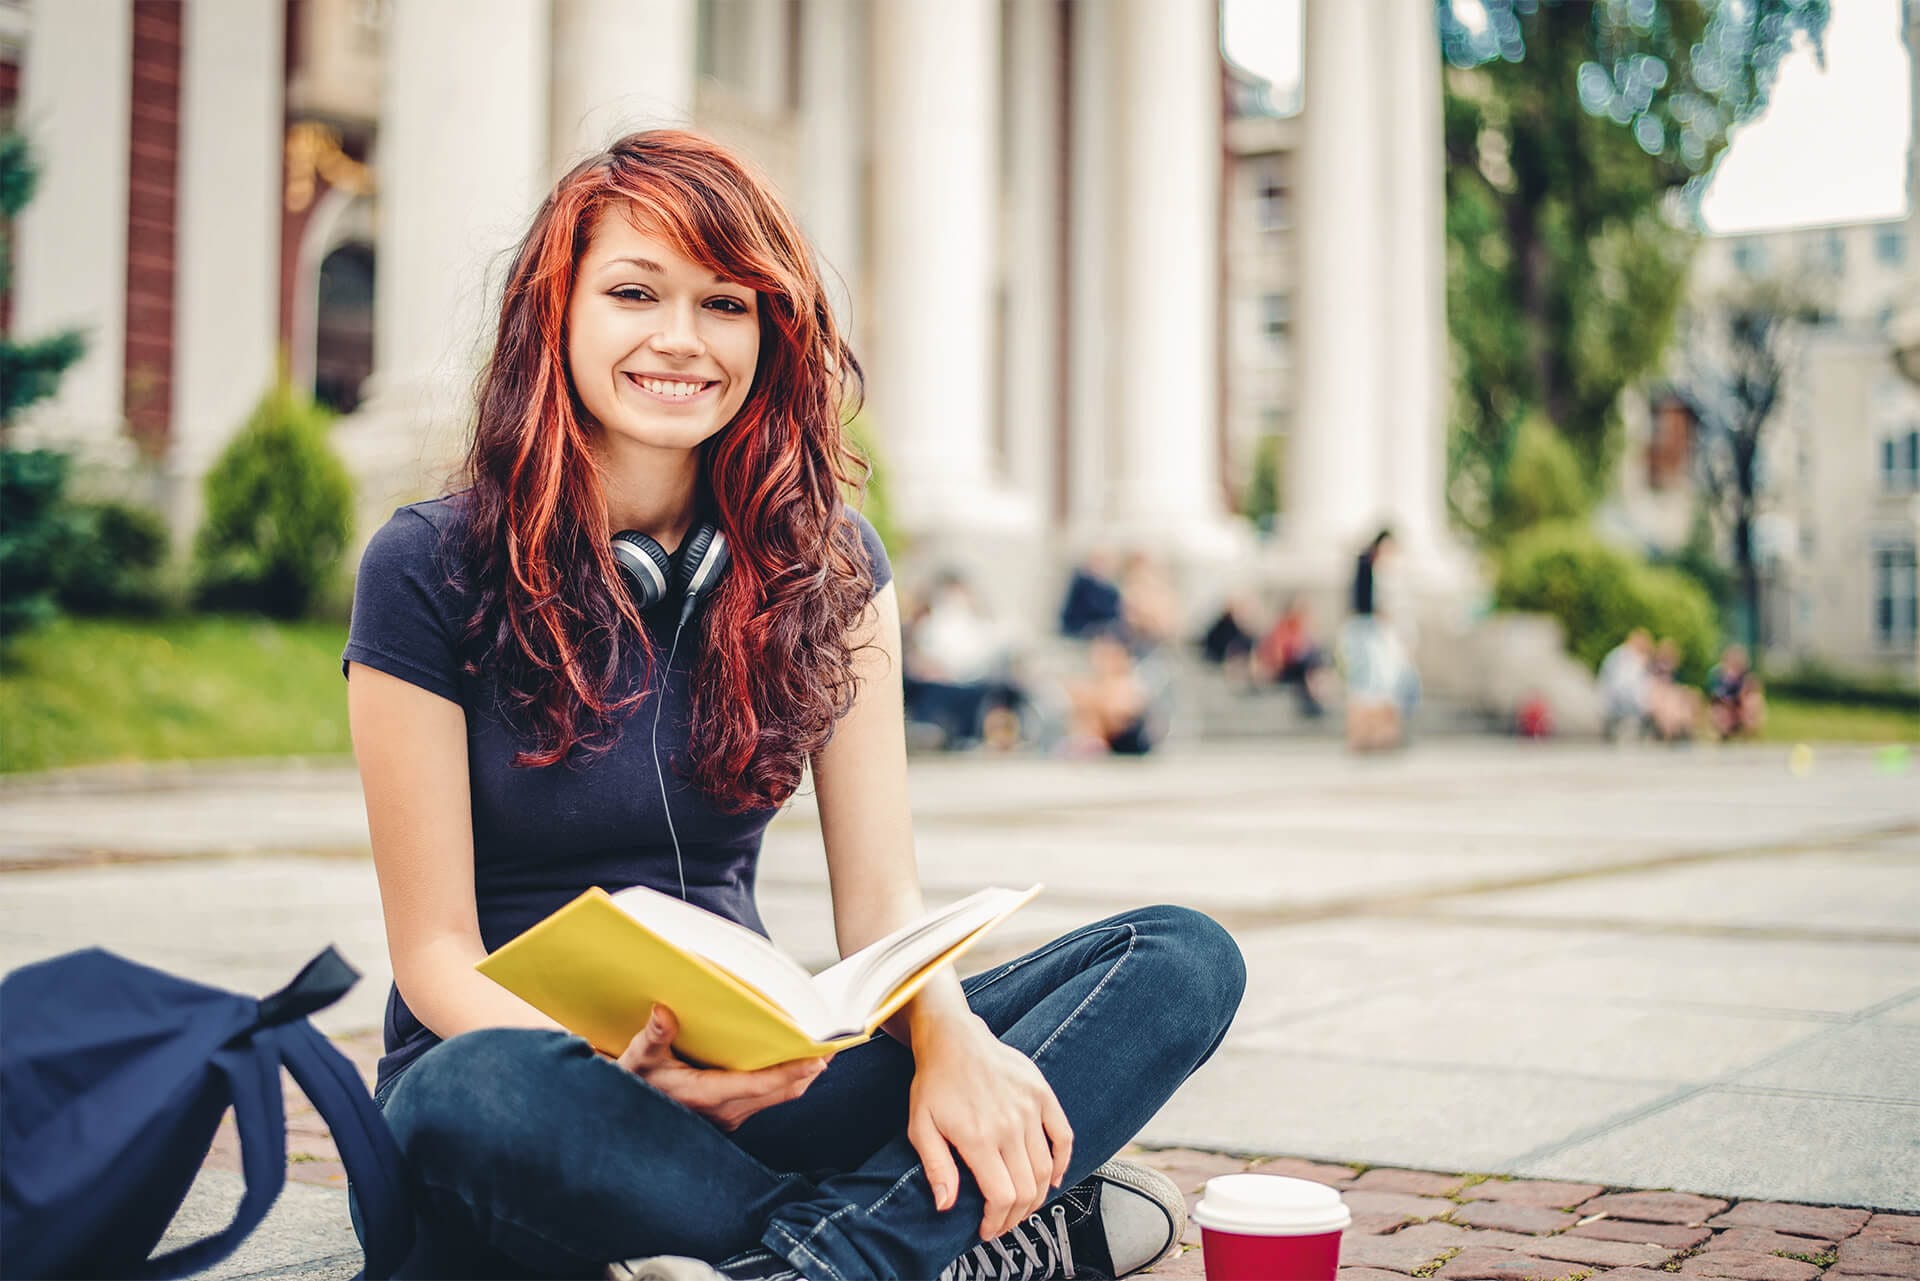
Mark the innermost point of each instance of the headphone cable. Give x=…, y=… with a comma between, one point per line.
x=660, y=699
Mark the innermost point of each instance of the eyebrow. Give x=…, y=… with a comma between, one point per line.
x=648, y=264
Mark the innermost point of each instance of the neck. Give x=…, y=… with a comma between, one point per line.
x=654, y=494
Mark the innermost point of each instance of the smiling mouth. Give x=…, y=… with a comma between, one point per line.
x=670, y=389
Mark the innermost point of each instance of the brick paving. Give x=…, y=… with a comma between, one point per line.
x=1424, y=1223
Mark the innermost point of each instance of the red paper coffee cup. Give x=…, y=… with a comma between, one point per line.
x=1265, y=1227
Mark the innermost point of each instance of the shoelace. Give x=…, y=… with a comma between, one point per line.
x=993, y=1261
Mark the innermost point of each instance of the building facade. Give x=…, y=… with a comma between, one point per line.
x=1029, y=205
x=1840, y=468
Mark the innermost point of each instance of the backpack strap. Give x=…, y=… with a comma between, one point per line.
x=254, y=1082
x=366, y=1145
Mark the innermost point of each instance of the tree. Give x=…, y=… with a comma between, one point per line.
x=1736, y=364
x=36, y=527
x=1578, y=136
x=29, y=371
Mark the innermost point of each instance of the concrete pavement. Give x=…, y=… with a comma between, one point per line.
x=1693, y=969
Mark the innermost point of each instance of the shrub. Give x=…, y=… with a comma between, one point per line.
x=1818, y=683
x=36, y=530
x=1543, y=481
x=1600, y=593
x=873, y=504
x=112, y=563
x=1264, y=482
x=279, y=512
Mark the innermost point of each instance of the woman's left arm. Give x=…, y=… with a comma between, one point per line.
x=972, y=1093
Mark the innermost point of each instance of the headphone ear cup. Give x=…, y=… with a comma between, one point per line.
x=703, y=563
x=644, y=564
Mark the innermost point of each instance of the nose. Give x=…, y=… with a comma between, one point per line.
x=678, y=334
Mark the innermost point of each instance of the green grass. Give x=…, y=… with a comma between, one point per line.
x=89, y=691
x=1792, y=720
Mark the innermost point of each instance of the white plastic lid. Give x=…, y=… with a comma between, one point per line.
x=1270, y=1205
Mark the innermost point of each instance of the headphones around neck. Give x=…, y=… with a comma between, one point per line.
x=654, y=575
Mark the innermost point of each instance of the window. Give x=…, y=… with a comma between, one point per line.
x=1749, y=257
x=1900, y=462
x=1276, y=318
x=1274, y=203
x=1670, y=451
x=1890, y=245
x=1895, y=622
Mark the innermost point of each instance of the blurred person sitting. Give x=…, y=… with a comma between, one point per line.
x=1626, y=678
x=1382, y=683
x=1673, y=709
x=955, y=663
x=1735, y=702
x=1228, y=642
x=1149, y=607
x=1289, y=655
x=1112, y=704
x=1092, y=601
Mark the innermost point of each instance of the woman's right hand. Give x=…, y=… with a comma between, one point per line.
x=723, y=1097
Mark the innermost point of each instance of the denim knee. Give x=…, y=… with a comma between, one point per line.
x=1204, y=965
x=463, y=1103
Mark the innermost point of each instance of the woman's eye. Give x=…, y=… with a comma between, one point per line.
x=632, y=293
x=732, y=306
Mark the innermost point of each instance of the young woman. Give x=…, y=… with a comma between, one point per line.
x=557, y=679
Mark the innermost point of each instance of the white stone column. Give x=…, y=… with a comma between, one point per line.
x=618, y=66
x=1092, y=208
x=1168, y=271
x=1334, y=468
x=461, y=165
x=1035, y=374
x=769, y=31
x=1413, y=358
x=227, y=282
x=70, y=246
x=936, y=70
x=832, y=84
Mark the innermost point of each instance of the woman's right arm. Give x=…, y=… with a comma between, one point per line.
x=411, y=746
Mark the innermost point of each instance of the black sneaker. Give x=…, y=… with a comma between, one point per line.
x=1120, y=1219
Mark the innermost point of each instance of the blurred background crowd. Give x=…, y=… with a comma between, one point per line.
x=1366, y=368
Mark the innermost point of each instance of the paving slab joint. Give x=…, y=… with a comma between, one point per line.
x=1673, y=1264
x=1825, y=1259
x=1432, y=1267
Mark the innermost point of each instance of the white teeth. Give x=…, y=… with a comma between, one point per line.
x=676, y=390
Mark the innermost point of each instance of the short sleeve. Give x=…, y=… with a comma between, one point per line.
x=875, y=549
x=405, y=621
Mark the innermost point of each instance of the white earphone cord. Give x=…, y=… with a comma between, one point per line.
x=659, y=701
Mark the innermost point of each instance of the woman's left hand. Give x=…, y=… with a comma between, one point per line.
x=979, y=1097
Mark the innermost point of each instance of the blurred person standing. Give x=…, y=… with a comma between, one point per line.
x=1382, y=685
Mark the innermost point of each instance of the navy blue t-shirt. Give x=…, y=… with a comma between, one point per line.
x=541, y=836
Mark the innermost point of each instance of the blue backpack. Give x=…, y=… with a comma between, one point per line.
x=113, y=1078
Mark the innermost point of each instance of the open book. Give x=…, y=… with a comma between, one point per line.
x=598, y=965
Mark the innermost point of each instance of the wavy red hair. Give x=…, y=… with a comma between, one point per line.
x=552, y=619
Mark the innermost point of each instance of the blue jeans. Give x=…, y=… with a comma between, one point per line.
x=532, y=1155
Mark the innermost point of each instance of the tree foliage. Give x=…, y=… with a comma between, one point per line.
x=1578, y=137
x=29, y=371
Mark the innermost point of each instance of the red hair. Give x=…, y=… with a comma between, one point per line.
x=552, y=617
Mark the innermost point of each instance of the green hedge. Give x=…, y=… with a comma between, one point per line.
x=279, y=512
x=1600, y=593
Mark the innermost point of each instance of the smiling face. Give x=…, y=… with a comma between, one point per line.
x=662, y=351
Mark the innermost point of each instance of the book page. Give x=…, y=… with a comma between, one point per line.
x=731, y=946
x=860, y=984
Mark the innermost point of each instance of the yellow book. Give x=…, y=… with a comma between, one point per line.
x=598, y=965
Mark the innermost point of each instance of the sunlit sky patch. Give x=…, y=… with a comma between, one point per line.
x=1831, y=146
